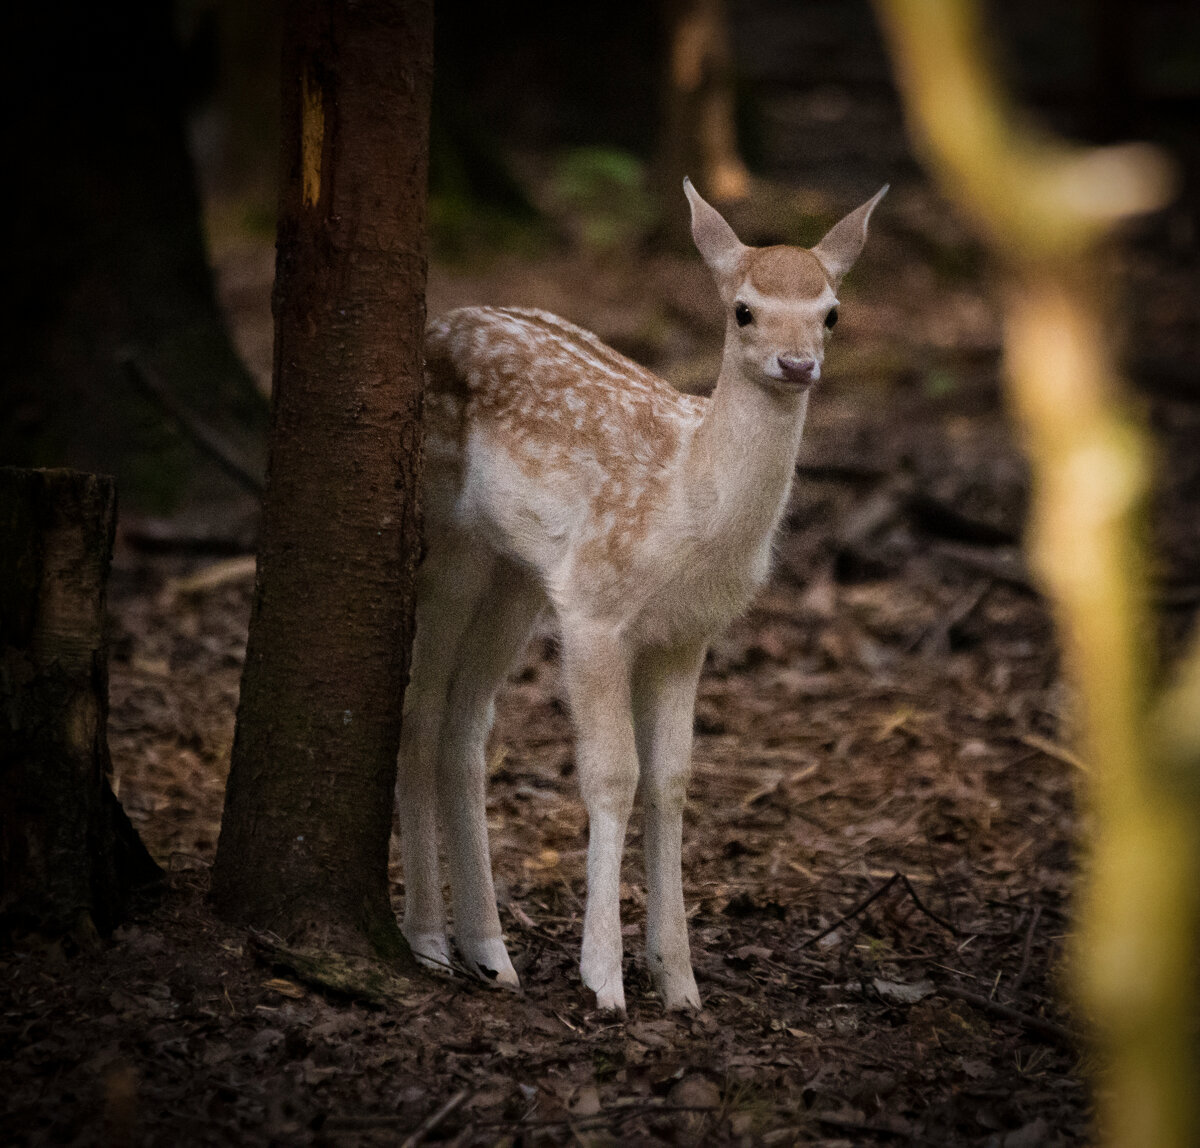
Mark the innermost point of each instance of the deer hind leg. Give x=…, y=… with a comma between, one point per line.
x=449, y=585
x=664, y=695
x=495, y=636
x=596, y=673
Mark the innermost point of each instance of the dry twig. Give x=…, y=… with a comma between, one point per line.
x=1037, y=1024
x=1026, y=950
x=894, y=879
x=419, y=1135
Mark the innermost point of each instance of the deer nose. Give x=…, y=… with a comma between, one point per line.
x=799, y=368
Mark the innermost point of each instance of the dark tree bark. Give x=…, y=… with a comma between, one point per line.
x=308, y=811
x=69, y=857
x=104, y=254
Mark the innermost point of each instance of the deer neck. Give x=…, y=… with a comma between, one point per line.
x=739, y=469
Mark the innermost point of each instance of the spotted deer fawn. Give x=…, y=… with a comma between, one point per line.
x=560, y=473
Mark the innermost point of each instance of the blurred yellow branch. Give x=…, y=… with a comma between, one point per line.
x=1047, y=198
x=1045, y=208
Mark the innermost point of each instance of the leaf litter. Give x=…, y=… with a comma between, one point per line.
x=878, y=854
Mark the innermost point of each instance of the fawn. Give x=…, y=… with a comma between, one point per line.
x=560, y=473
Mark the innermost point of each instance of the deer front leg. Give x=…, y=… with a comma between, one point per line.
x=596, y=672
x=664, y=695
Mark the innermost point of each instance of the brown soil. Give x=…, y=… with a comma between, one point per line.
x=891, y=706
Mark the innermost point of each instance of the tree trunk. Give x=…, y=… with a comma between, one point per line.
x=69, y=857
x=308, y=810
x=105, y=255
x=698, y=136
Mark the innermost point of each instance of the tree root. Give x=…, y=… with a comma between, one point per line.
x=367, y=980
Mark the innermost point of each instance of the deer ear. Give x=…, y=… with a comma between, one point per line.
x=844, y=242
x=715, y=240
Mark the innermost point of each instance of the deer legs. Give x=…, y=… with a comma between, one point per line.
x=498, y=632
x=448, y=588
x=596, y=673
x=633, y=718
x=610, y=699
x=664, y=694
x=464, y=652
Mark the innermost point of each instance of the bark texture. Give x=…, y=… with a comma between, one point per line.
x=69, y=857
x=304, y=840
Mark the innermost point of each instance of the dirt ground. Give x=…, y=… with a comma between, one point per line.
x=884, y=822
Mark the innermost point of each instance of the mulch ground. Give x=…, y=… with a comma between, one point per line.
x=848, y=732
x=879, y=850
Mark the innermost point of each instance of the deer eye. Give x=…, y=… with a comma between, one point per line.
x=831, y=319
x=742, y=314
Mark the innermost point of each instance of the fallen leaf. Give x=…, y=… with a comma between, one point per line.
x=546, y=859
x=695, y=1092
x=896, y=992
x=284, y=987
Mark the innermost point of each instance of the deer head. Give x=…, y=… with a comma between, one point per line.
x=781, y=302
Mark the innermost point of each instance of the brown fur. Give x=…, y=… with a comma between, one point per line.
x=789, y=272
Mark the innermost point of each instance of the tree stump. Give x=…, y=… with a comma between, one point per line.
x=69, y=857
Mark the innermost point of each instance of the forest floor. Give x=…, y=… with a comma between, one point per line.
x=881, y=841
